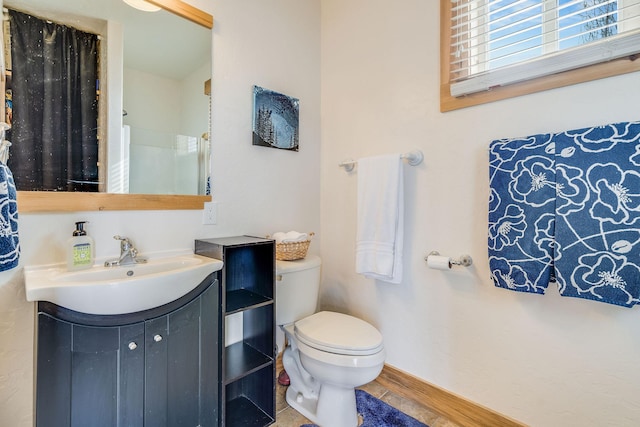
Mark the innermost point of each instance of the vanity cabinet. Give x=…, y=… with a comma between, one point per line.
x=154, y=368
x=248, y=366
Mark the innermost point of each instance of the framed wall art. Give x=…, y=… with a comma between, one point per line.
x=275, y=120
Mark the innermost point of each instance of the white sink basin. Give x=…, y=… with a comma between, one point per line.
x=122, y=289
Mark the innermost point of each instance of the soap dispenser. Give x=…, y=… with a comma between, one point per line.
x=80, y=249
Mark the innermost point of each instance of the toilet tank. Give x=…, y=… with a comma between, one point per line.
x=297, y=285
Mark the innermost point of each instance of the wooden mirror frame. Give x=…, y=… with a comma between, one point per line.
x=51, y=201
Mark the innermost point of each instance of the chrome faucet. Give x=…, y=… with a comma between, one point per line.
x=128, y=254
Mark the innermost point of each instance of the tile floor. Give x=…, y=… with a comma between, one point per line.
x=289, y=417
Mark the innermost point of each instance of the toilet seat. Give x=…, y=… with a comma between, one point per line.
x=339, y=334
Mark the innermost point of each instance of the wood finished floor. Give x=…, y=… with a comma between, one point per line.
x=289, y=417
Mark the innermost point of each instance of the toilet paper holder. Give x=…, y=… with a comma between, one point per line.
x=463, y=260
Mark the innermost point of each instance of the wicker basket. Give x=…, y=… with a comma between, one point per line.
x=293, y=250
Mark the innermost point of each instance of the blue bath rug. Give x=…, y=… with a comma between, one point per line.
x=376, y=413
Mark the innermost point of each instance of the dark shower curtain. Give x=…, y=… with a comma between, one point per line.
x=55, y=107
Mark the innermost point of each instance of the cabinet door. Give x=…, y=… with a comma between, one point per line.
x=84, y=372
x=53, y=389
x=181, y=381
x=131, y=376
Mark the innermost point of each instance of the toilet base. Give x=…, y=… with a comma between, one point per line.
x=322, y=384
x=333, y=407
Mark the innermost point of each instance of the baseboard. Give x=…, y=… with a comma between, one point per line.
x=447, y=404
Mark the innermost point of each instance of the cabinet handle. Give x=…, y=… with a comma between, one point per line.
x=133, y=345
x=157, y=337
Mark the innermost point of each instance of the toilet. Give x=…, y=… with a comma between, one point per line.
x=328, y=354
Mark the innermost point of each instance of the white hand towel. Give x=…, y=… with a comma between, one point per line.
x=294, y=236
x=290, y=237
x=278, y=236
x=379, y=237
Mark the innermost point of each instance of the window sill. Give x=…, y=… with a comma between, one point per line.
x=580, y=75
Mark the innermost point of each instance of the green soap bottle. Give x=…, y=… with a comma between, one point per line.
x=80, y=249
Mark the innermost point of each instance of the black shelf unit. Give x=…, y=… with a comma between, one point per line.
x=248, y=367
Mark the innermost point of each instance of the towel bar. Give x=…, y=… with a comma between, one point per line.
x=414, y=158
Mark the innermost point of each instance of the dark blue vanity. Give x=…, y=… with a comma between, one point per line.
x=167, y=366
x=158, y=367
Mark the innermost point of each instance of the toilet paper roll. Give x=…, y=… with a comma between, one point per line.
x=438, y=262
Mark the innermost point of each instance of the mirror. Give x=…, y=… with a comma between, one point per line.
x=154, y=66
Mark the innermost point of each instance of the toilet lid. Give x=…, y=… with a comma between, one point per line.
x=338, y=333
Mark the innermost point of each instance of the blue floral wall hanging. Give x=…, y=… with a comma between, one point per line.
x=565, y=208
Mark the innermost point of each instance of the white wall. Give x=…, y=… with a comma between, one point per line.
x=543, y=360
x=160, y=108
x=152, y=101
x=195, y=107
x=274, y=43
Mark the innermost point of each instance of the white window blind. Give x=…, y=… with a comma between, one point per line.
x=500, y=42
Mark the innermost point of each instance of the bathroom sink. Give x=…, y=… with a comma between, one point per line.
x=122, y=289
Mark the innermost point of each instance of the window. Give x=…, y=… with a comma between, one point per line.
x=494, y=49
